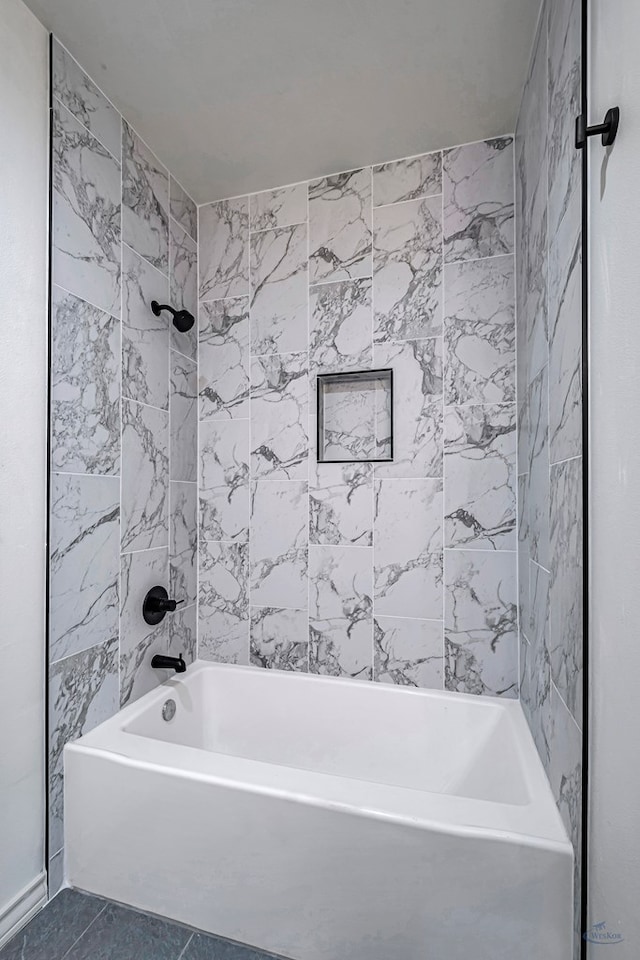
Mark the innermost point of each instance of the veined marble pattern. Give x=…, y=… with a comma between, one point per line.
x=79, y=94
x=340, y=226
x=182, y=208
x=409, y=653
x=183, y=275
x=224, y=249
x=85, y=387
x=340, y=611
x=145, y=337
x=138, y=640
x=566, y=634
x=223, y=359
x=539, y=679
x=564, y=53
x=278, y=208
x=523, y=431
x=224, y=480
x=145, y=477
x=341, y=504
x=145, y=200
x=407, y=270
x=279, y=543
x=565, y=335
x=417, y=387
x=184, y=418
x=524, y=610
x=86, y=214
x=480, y=477
x=407, y=179
x=356, y=420
x=183, y=633
x=340, y=326
x=565, y=776
x=408, y=548
x=183, y=542
x=279, y=290
x=538, y=492
x=479, y=329
x=279, y=416
x=477, y=185
x=83, y=691
x=84, y=563
x=279, y=639
x=481, y=638
x=224, y=602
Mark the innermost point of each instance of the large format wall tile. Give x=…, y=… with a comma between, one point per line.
x=409, y=652
x=145, y=337
x=279, y=543
x=145, y=477
x=85, y=387
x=183, y=277
x=83, y=691
x=477, y=186
x=539, y=666
x=481, y=639
x=182, y=208
x=340, y=326
x=79, y=94
x=279, y=417
x=407, y=270
x=183, y=633
x=417, y=421
x=86, y=214
x=407, y=179
x=138, y=640
x=279, y=290
x=184, y=418
x=224, y=480
x=279, y=639
x=145, y=200
x=566, y=600
x=183, y=542
x=408, y=548
x=480, y=477
x=223, y=630
x=340, y=226
x=340, y=611
x=479, y=331
x=84, y=563
x=223, y=359
x=341, y=504
x=538, y=491
x=564, y=65
x=224, y=249
x=278, y=208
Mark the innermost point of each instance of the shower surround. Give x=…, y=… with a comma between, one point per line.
x=123, y=416
x=402, y=572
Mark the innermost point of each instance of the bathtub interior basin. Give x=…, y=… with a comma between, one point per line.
x=320, y=815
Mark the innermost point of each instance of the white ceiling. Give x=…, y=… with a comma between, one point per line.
x=242, y=95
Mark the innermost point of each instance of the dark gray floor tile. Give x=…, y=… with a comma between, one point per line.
x=121, y=934
x=56, y=928
x=203, y=947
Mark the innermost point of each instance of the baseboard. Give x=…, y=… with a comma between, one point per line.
x=20, y=910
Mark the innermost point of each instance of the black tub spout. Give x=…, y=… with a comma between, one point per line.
x=169, y=663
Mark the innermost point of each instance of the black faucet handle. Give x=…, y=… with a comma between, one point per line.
x=157, y=604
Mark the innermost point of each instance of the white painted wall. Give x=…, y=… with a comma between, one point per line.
x=615, y=482
x=23, y=378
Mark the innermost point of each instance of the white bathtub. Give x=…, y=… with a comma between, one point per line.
x=324, y=819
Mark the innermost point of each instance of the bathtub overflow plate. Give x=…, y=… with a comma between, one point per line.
x=169, y=710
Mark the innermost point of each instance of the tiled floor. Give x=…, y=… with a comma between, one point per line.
x=75, y=926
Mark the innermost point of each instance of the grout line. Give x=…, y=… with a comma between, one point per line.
x=399, y=203
x=86, y=929
x=165, y=276
x=184, y=949
x=73, y=473
x=56, y=100
x=89, y=303
x=493, y=256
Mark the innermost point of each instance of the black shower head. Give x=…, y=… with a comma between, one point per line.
x=182, y=319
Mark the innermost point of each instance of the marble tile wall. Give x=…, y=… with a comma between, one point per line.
x=548, y=258
x=123, y=510
x=401, y=572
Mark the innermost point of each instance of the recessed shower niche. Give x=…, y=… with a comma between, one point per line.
x=355, y=416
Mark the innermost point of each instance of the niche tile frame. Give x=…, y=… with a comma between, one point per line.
x=353, y=379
